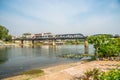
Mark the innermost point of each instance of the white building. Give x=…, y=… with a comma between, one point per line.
x=46, y=35
x=28, y=35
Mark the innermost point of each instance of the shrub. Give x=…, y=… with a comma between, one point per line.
x=96, y=74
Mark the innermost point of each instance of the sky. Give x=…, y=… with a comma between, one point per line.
x=61, y=16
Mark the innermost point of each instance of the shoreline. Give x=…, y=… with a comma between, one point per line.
x=68, y=71
x=61, y=66
x=50, y=66
x=47, y=70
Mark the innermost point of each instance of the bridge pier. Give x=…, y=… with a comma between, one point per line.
x=32, y=43
x=53, y=42
x=22, y=43
x=86, y=45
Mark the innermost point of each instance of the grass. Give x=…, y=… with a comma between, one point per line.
x=27, y=79
x=33, y=72
x=29, y=75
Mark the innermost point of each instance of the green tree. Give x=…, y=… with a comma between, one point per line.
x=4, y=34
x=110, y=48
x=98, y=41
x=8, y=38
x=117, y=42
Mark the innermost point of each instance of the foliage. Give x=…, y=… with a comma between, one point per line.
x=96, y=74
x=105, y=45
x=4, y=34
x=110, y=49
x=111, y=75
x=76, y=56
x=92, y=74
x=8, y=38
x=117, y=42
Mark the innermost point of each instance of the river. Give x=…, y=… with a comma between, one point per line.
x=16, y=60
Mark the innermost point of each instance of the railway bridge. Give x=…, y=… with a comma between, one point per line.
x=54, y=38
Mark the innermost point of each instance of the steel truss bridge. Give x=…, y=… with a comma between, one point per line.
x=56, y=37
x=52, y=38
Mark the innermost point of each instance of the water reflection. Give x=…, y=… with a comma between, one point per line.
x=3, y=55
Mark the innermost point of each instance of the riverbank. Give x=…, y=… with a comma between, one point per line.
x=68, y=71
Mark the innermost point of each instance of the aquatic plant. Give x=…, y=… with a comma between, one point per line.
x=76, y=56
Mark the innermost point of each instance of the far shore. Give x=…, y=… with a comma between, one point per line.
x=68, y=71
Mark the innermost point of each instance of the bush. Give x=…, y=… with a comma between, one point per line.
x=96, y=74
x=111, y=75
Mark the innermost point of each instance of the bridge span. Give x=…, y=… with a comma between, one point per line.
x=54, y=39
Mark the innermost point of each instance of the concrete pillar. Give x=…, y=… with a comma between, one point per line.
x=53, y=42
x=22, y=43
x=32, y=43
x=86, y=45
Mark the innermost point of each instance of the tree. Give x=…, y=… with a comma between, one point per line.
x=110, y=48
x=4, y=34
x=98, y=41
x=8, y=38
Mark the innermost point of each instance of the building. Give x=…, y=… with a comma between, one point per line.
x=46, y=35
x=28, y=35
x=38, y=35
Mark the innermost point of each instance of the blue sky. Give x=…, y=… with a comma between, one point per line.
x=61, y=16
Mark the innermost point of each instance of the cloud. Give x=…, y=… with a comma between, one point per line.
x=100, y=24
x=61, y=16
x=57, y=12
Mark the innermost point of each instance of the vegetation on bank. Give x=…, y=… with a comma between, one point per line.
x=33, y=72
x=4, y=34
x=105, y=45
x=75, y=56
x=70, y=42
x=96, y=74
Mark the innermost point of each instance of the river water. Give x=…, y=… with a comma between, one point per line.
x=16, y=60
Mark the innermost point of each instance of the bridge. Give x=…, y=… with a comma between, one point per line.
x=56, y=37
x=53, y=38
